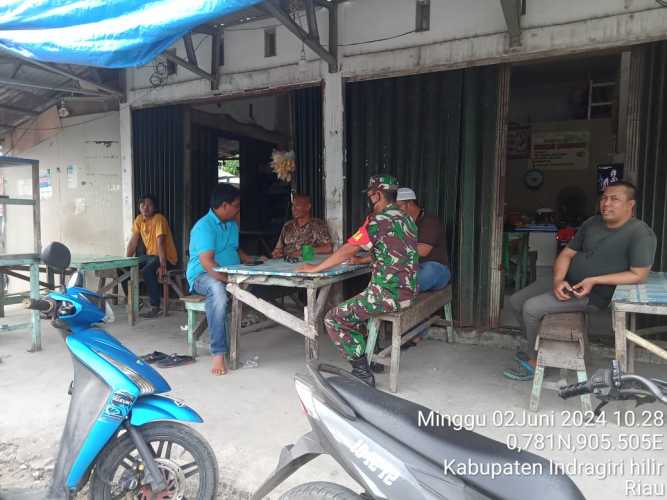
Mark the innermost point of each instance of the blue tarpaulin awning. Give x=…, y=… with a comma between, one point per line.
x=104, y=33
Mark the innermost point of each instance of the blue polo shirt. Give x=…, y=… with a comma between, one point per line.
x=212, y=234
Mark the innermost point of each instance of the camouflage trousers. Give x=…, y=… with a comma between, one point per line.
x=346, y=323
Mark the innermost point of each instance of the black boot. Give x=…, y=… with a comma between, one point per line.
x=361, y=370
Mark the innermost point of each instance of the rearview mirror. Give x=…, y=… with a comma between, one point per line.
x=57, y=256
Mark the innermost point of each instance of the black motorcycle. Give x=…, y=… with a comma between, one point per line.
x=376, y=438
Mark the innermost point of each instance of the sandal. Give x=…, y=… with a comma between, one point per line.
x=520, y=374
x=175, y=360
x=153, y=357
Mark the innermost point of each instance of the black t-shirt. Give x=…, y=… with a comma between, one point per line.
x=432, y=232
x=601, y=250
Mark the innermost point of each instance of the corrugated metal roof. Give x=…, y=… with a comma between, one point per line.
x=27, y=90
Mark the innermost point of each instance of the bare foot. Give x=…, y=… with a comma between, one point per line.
x=218, y=367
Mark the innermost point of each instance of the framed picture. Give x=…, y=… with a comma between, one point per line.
x=518, y=143
x=607, y=174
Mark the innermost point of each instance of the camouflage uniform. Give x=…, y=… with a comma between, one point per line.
x=391, y=238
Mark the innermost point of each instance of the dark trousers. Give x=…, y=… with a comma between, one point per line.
x=149, y=271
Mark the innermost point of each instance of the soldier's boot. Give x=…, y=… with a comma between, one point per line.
x=361, y=370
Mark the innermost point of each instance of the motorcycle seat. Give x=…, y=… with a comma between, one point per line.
x=399, y=419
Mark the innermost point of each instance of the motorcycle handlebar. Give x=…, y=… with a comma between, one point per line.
x=570, y=391
x=43, y=305
x=604, y=382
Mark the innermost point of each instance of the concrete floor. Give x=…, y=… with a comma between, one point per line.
x=251, y=413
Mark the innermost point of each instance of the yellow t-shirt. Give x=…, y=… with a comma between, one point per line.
x=150, y=230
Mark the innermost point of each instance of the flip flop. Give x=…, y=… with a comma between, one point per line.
x=519, y=375
x=175, y=360
x=520, y=357
x=154, y=356
x=525, y=364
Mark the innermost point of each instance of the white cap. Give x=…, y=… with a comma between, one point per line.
x=404, y=194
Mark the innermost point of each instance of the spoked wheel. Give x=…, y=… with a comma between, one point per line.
x=185, y=459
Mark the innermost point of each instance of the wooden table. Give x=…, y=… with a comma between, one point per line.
x=31, y=263
x=277, y=272
x=130, y=265
x=646, y=298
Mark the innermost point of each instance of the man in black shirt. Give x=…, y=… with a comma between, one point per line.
x=613, y=248
x=434, y=272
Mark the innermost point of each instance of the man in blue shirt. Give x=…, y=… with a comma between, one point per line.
x=214, y=242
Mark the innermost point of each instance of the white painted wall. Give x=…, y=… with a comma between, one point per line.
x=463, y=32
x=82, y=205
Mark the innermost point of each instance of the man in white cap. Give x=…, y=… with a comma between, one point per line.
x=433, y=273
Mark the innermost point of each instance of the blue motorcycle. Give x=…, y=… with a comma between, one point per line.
x=120, y=434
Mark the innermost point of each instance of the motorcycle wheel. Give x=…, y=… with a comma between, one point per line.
x=320, y=491
x=183, y=456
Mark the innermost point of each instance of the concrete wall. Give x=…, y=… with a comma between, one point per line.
x=463, y=32
x=81, y=187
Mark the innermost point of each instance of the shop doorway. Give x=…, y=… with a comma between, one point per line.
x=562, y=148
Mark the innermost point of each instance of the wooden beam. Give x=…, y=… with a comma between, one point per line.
x=333, y=32
x=22, y=111
x=512, y=13
x=228, y=124
x=270, y=311
x=205, y=29
x=646, y=344
x=216, y=43
x=10, y=82
x=190, y=49
x=282, y=16
x=312, y=20
x=182, y=62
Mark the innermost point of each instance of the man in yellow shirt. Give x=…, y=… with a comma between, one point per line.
x=153, y=230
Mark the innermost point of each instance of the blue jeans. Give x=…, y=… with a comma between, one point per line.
x=216, y=311
x=432, y=276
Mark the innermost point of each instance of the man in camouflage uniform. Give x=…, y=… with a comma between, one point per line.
x=390, y=237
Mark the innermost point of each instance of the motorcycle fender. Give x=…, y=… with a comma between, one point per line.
x=292, y=458
x=151, y=408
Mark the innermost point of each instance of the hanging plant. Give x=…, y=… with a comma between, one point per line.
x=283, y=164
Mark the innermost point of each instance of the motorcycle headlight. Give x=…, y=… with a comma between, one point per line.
x=145, y=387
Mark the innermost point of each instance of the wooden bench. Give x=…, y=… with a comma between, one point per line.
x=562, y=343
x=173, y=279
x=406, y=324
x=195, y=305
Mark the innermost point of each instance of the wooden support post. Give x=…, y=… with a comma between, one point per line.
x=537, y=388
x=586, y=405
x=34, y=294
x=621, y=342
x=3, y=282
x=396, y=329
x=235, y=326
x=373, y=329
x=631, y=345
x=133, y=306
x=192, y=342
x=310, y=317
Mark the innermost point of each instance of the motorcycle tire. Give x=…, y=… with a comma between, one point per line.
x=201, y=461
x=320, y=491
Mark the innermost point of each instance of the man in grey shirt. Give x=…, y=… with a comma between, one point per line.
x=613, y=248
